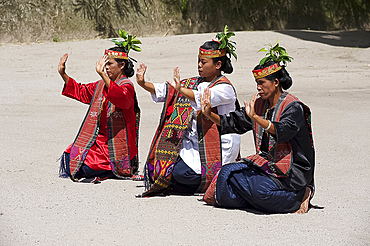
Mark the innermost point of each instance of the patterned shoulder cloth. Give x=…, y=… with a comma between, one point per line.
x=280, y=157
x=119, y=154
x=166, y=144
x=116, y=133
x=209, y=142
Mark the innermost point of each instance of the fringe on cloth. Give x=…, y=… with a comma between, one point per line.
x=64, y=171
x=147, y=183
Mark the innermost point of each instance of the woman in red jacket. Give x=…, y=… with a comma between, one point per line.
x=106, y=144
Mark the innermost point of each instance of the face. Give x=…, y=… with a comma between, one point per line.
x=207, y=68
x=267, y=88
x=114, y=69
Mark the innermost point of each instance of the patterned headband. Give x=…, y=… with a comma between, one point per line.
x=116, y=54
x=211, y=53
x=260, y=73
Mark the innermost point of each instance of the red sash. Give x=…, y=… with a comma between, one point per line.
x=166, y=144
x=209, y=144
x=279, y=154
x=116, y=133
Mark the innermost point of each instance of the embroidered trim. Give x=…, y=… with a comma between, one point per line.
x=260, y=73
x=211, y=53
x=116, y=54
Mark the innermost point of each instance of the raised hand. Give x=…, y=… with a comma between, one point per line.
x=62, y=68
x=140, y=72
x=62, y=64
x=100, y=65
x=205, y=101
x=176, y=84
x=249, y=109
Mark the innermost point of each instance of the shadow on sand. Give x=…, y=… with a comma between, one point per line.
x=355, y=39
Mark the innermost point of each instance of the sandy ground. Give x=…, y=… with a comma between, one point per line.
x=331, y=74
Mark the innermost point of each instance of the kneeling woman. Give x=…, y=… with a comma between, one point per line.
x=279, y=177
x=106, y=144
x=185, y=152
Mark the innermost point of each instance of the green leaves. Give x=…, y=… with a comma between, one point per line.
x=275, y=53
x=129, y=42
x=225, y=43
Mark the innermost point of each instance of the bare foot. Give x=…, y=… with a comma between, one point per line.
x=210, y=192
x=305, y=202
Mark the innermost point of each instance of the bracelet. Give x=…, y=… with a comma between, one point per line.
x=266, y=129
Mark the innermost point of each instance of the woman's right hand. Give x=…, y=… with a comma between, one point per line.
x=249, y=108
x=62, y=64
x=140, y=72
x=62, y=68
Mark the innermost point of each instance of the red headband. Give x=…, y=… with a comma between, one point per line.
x=211, y=53
x=116, y=54
x=260, y=73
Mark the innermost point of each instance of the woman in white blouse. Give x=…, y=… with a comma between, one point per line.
x=185, y=152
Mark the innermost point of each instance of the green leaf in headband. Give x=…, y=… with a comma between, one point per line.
x=275, y=53
x=129, y=42
x=225, y=43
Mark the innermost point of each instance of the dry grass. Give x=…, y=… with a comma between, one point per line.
x=25, y=21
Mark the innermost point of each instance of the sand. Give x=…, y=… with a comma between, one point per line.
x=331, y=74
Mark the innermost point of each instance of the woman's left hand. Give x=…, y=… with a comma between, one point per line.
x=100, y=65
x=205, y=102
x=176, y=83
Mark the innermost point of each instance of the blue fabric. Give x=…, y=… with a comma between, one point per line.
x=240, y=186
x=64, y=166
x=84, y=172
x=292, y=128
x=87, y=172
x=184, y=179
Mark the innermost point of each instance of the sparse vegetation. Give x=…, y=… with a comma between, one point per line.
x=61, y=20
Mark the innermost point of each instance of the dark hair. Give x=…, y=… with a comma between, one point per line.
x=226, y=66
x=128, y=69
x=282, y=75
